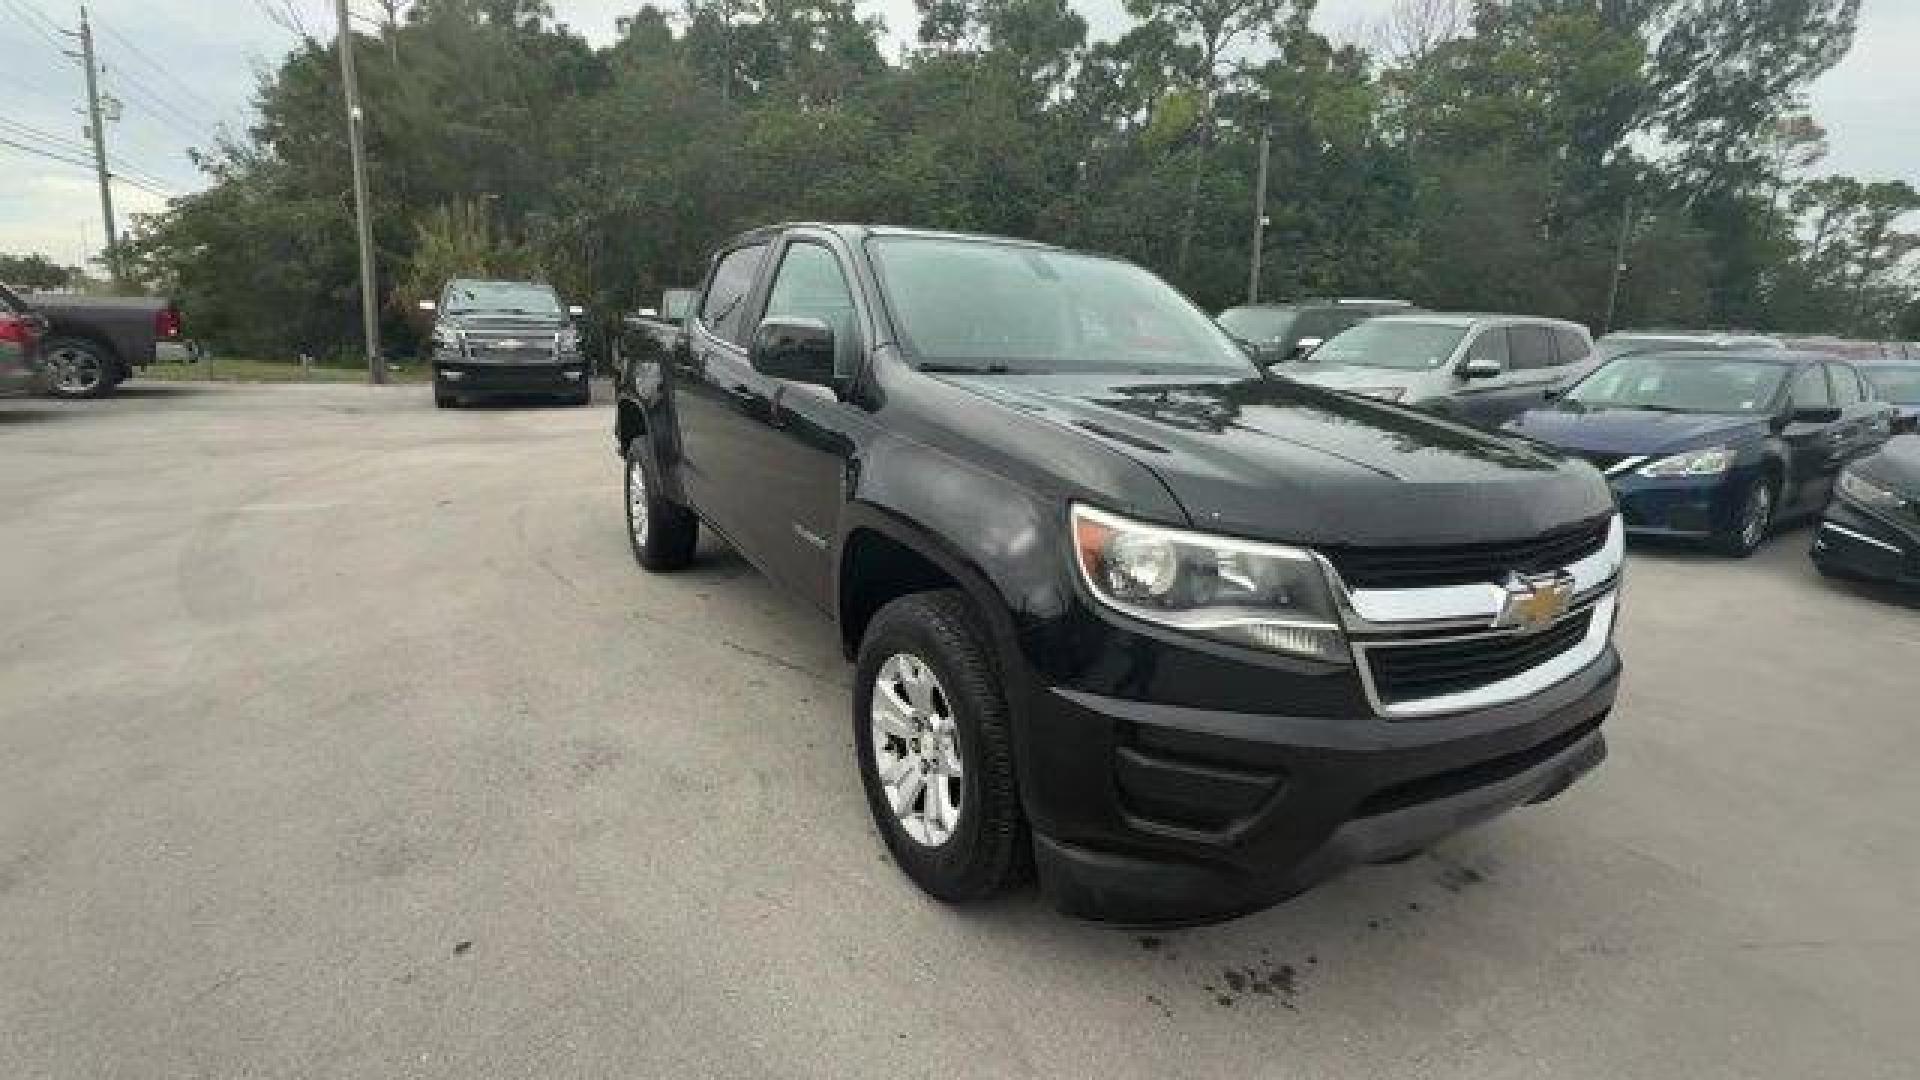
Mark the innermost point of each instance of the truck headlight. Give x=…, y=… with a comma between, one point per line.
x=568, y=340
x=1262, y=596
x=447, y=337
x=1869, y=494
x=1711, y=461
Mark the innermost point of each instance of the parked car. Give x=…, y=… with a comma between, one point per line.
x=1896, y=382
x=1193, y=637
x=1484, y=369
x=1623, y=343
x=505, y=337
x=95, y=343
x=1716, y=446
x=1871, y=529
x=1278, y=333
x=22, y=368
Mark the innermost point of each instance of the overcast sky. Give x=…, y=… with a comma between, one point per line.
x=184, y=67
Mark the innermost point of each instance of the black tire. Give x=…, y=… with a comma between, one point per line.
x=985, y=853
x=584, y=396
x=664, y=542
x=78, y=368
x=1746, y=535
x=443, y=399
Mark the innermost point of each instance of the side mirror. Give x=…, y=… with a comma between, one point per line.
x=798, y=350
x=576, y=310
x=1814, y=414
x=1479, y=367
x=1555, y=393
x=428, y=305
x=1305, y=347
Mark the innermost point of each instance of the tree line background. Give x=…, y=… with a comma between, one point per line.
x=1480, y=154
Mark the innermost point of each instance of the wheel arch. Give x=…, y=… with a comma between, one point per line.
x=884, y=555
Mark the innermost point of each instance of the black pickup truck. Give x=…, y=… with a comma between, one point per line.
x=1186, y=634
x=95, y=343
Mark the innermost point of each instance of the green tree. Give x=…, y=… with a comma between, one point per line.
x=32, y=272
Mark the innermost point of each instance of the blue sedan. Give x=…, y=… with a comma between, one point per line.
x=1716, y=446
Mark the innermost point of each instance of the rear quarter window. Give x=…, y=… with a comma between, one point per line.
x=1531, y=346
x=1570, y=345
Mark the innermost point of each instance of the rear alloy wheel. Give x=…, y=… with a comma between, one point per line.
x=661, y=532
x=77, y=368
x=1753, y=521
x=931, y=733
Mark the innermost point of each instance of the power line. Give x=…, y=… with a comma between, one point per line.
x=189, y=92
x=121, y=166
x=37, y=21
x=79, y=163
x=27, y=131
x=143, y=98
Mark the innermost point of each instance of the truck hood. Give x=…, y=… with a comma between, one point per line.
x=1271, y=459
x=1625, y=432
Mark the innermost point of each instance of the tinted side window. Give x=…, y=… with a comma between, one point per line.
x=1810, y=389
x=1570, y=345
x=811, y=285
x=1531, y=347
x=1490, y=345
x=1846, y=386
x=724, y=308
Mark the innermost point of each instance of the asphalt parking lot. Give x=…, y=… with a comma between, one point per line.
x=341, y=737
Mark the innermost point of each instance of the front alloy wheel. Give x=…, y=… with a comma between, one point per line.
x=1753, y=522
x=916, y=749
x=932, y=737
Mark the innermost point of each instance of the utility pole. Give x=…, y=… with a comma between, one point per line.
x=1619, y=264
x=356, y=119
x=1259, y=220
x=97, y=128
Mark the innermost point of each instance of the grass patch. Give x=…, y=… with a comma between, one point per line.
x=239, y=370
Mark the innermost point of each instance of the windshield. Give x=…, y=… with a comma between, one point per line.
x=1392, y=343
x=1661, y=382
x=1900, y=385
x=1611, y=347
x=1258, y=324
x=506, y=297
x=979, y=305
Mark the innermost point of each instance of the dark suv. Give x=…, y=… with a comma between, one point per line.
x=1278, y=333
x=505, y=337
x=1192, y=636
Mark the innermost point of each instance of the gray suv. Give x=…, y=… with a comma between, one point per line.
x=1484, y=369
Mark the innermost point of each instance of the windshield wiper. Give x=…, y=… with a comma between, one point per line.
x=967, y=369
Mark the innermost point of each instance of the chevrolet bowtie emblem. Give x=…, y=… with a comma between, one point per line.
x=1534, y=601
